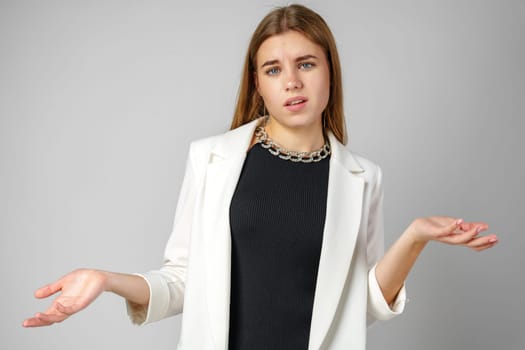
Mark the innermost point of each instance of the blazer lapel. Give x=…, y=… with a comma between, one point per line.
x=343, y=214
x=343, y=219
x=223, y=171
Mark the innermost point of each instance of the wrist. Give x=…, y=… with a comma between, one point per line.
x=413, y=237
x=106, y=278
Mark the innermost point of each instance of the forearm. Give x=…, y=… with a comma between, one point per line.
x=393, y=268
x=131, y=287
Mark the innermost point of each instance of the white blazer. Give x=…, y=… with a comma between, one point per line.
x=195, y=277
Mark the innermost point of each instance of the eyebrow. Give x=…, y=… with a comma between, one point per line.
x=298, y=59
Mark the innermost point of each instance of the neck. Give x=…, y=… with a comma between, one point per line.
x=299, y=139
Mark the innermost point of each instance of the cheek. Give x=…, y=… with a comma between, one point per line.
x=268, y=89
x=323, y=90
x=326, y=86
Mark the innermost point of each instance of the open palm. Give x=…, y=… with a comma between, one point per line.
x=453, y=231
x=77, y=290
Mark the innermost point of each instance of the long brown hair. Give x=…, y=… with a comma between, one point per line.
x=310, y=24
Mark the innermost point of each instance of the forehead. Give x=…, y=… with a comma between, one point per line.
x=289, y=44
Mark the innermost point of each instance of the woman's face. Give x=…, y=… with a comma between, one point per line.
x=293, y=78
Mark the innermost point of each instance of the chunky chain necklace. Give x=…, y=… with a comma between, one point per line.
x=274, y=148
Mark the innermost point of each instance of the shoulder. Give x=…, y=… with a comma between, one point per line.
x=206, y=144
x=373, y=174
x=354, y=162
x=369, y=170
x=368, y=165
x=200, y=150
x=230, y=143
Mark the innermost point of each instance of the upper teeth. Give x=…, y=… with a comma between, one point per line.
x=296, y=102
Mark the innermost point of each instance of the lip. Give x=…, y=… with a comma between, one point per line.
x=292, y=99
x=295, y=107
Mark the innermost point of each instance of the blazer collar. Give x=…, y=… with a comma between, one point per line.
x=236, y=142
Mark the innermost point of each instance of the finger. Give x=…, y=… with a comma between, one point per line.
x=467, y=226
x=486, y=246
x=51, y=318
x=450, y=228
x=34, y=322
x=30, y=322
x=482, y=241
x=38, y=320
x=461, y=238
x=47, y=290
x=482, y=226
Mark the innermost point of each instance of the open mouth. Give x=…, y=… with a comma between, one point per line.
x=295, y=101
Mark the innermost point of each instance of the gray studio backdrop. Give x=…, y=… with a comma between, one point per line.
x=99, y=101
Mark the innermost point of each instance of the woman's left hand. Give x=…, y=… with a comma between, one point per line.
x=451, y=231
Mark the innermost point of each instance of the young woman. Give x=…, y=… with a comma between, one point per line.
x=278, y=239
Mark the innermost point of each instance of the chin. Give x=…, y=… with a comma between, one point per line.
x=301, y=121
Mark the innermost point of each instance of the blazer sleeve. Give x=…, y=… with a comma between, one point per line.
x=166, y=285
x=377, y=307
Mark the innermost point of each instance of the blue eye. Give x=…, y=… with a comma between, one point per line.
x=306, y=65
x=273, y=71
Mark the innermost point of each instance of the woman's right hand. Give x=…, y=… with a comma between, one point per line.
x=77, y=290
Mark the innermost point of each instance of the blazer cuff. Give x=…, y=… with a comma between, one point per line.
x=377, y=305
x=158, y=301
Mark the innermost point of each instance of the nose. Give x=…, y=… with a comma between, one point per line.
x=294, y=82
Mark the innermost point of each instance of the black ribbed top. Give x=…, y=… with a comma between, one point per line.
x=277, y=217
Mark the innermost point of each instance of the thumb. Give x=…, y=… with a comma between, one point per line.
x=47, y=290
